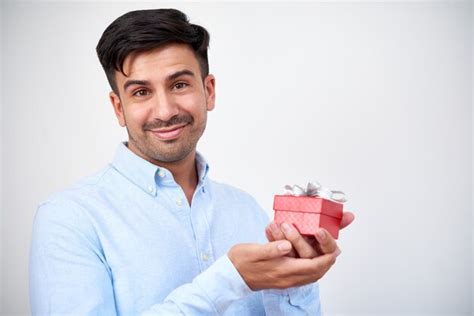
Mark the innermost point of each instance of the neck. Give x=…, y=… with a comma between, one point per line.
x=185, y=174
x=184, y=171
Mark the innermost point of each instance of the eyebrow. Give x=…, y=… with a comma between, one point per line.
x=180, y=73
x=173, y=76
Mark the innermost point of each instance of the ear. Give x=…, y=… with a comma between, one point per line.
x=118, y=109
x=210, y=89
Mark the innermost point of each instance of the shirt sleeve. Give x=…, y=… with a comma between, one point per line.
x=68, y=273
x=210, y=293
x=70, y=276
x=302, y=300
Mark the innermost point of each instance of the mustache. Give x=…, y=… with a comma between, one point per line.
x=175, y=120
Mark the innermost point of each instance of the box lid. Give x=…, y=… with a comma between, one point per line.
x=308, y=204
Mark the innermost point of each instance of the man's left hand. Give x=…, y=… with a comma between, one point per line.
x=307, y=246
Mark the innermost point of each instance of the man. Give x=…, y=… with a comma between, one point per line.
x=151, y=233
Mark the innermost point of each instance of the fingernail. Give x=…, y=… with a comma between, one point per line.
x=322, y=234
x=338, y=252
x=286, y=228
x=284, y=246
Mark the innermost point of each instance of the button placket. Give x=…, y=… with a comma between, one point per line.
x=202, y=231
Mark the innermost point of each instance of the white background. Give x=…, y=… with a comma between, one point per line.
x=374, y=98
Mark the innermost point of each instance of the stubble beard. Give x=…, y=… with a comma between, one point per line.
x=155, y=150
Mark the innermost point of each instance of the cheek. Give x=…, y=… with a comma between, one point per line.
x=193, y=104
x=137, y=115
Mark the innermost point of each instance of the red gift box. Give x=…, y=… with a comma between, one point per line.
x=308, y=213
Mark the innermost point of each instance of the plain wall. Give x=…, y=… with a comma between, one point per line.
x=1, y=158
x=373, y=98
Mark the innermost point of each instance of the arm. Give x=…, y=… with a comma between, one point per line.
x=69, y=273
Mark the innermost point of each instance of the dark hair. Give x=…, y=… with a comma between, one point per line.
x=144, y=30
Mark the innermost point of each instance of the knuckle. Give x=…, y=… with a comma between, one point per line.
x=329, y=246
x=291, y=235
x=327, y=242
x=276, y=236
x=320, y=266
x=279, y=234
x=299, y=239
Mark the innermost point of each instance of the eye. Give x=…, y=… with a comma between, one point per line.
x=180, y=85
x=141, y=93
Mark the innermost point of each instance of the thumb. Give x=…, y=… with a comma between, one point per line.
x=274, y=249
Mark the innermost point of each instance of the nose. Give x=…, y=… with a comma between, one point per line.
x=164, y=107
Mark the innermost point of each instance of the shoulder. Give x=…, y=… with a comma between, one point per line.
x=90, y=185
x=239, y=199
x=64, y=226
x=231, y=192
x=69, y=205
x=245, y=220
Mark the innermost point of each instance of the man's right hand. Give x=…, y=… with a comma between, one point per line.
x=267, y=266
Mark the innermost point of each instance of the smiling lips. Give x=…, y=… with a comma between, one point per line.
x=169, y=133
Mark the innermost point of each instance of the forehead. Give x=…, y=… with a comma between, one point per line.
x=160, y=61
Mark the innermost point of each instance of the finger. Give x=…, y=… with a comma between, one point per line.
x=347, y=218
x=268, y=234
x=321, y=271
x=326, y=244
x=316, y=266
x=299, y=280
x=271, y=250
x=314, y=244
x=301, y=246
x=278, y=235
x=276, y=231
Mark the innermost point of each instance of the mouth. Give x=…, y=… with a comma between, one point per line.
x=169, y=133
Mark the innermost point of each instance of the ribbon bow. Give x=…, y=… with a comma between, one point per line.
x=315, y=189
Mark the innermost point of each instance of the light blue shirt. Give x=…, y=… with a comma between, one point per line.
x=125, y=241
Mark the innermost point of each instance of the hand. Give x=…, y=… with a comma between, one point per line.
x=268, y=266
x=307, y=246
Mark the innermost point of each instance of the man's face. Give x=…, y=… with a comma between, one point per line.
x=163, y=102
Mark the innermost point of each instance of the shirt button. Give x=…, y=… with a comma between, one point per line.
x=150, y=188
x=204, y=257
x=162, y=174
x=179, y=202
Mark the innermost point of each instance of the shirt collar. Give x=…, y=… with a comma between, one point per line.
x=202, y=168
x=147, y=175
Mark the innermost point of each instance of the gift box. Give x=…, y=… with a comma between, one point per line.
x=308, y=213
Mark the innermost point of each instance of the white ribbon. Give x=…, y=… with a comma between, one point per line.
x=315, y=189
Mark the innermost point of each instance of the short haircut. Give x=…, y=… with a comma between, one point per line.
x=144, y=30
